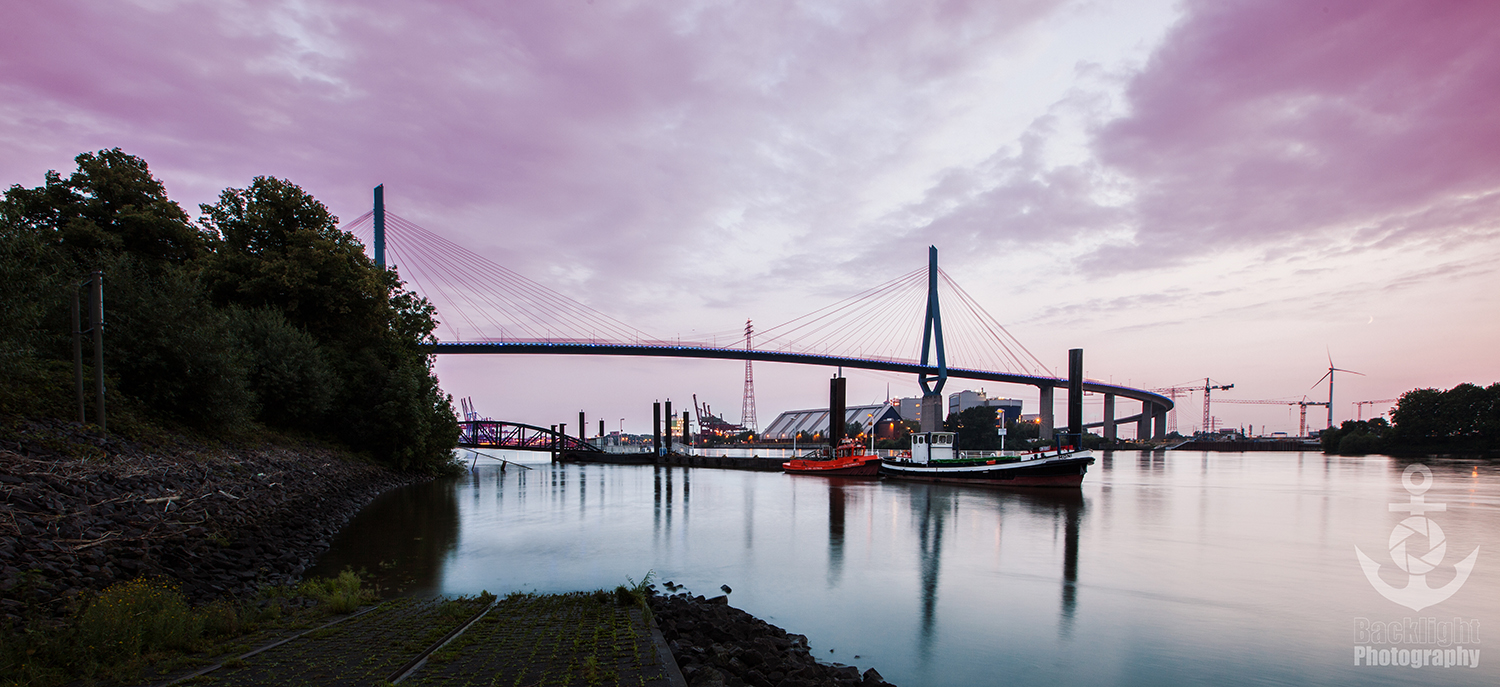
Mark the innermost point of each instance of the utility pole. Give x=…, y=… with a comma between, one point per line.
x=96, y=327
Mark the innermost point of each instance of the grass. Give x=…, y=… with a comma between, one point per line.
x=132, y=630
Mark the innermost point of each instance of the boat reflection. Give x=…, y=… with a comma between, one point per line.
x=934, y=509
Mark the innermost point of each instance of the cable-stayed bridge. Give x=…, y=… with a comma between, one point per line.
x=921, y=323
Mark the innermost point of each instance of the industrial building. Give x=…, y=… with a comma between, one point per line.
x=1009, y=408
x=911, y=408
x=886, y=418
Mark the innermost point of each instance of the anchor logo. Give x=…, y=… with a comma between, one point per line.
x=1416, y=595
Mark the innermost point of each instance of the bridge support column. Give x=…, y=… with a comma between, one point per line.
x=1143, y=425
x=1109, y=417
x=1044, y=411
x=932, y=412
x=1159, y=415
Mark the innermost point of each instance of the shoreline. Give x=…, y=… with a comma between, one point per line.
x=84, y=512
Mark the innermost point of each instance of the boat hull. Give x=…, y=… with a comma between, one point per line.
x=858, y=466
x=1064, y=472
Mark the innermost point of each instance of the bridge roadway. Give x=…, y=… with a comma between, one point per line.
x=1154, y=406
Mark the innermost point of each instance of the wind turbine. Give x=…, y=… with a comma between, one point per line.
x=1329, y=376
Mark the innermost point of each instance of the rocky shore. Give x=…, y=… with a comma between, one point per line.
x=79, y=512
x=716, y=644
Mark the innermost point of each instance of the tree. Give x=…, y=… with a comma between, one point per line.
x=278, y=248
x=165, y=345
x=110, y=206
x=975, y=429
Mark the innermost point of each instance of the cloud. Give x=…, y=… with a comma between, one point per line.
x=1267, y=122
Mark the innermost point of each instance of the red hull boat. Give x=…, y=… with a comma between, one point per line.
x=849, y=460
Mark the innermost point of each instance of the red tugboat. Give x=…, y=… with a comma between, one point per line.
x=849, y=460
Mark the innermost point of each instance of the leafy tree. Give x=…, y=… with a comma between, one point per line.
x=110, y=206
x=281, y=249
x=271, y=313
x=289, y=372
x=1357, y=438
x=975, y=429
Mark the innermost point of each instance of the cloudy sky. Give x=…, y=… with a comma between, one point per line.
x=1219, y=189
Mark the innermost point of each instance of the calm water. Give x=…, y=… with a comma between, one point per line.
x=1167, y=569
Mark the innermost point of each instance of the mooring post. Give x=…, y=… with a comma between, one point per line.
x=601, y=433
x=1045, y=410
x=552, y=442
x=99, y=349
x=1075, y=396
x=836, y=388
x=687, y=438
x=656, y=428
x=667, y=427
x=583, y=429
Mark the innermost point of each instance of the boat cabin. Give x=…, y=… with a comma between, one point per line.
x=930, y=446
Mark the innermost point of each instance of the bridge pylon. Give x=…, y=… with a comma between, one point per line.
x=932, y=332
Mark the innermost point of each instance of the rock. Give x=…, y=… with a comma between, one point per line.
x=740, y=648
x=708, y=677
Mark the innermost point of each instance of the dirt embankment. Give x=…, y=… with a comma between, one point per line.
x=78, y=512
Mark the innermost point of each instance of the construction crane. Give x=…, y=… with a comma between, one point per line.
x=1208, y=388
x=1179, y=390
x=1359, y=406
x=1304, y=403
x=1173, y=392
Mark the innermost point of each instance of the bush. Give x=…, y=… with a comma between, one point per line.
x=342, y=594
x=131, y=619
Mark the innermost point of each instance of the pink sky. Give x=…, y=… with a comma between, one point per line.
x=1185, y=190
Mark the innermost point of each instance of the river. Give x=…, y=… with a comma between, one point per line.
x=1178, y=568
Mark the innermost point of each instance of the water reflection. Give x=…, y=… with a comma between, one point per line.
x=1142, y=578
x=930, y=505
x=836, y=502
x=403, y=539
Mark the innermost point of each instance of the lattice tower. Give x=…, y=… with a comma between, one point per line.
x=747, y=404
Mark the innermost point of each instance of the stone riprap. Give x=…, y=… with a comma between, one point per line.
x=78, y=513
x=717, y=644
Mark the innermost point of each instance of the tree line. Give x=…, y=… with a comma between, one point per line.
x=1464, y=419
x=261, y=313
